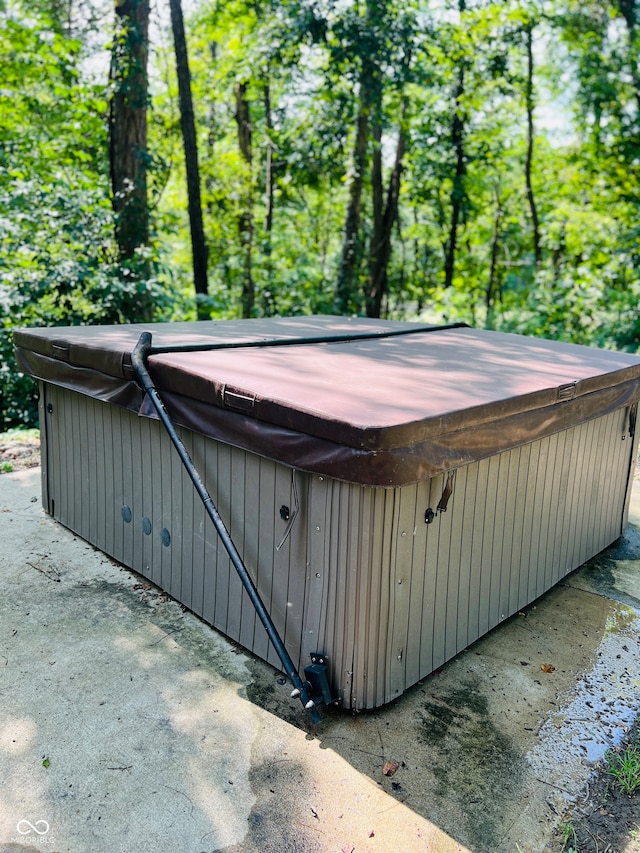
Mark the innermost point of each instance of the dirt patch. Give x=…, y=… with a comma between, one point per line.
x=476, y=764
x=609, y=820
x=19, y=449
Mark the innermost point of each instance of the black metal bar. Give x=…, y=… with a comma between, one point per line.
x=138, y=359
x=287, y=342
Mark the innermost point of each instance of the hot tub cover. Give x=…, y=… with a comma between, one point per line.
x=379, y=411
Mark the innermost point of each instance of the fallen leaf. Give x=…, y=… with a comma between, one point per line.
x=46, y=762
x=372, y=834
x=390, y=768
x=547, y=667
x=348, y=848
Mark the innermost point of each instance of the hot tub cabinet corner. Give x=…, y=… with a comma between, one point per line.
x=387, y=582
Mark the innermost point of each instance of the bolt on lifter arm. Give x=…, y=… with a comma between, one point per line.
x=301, y=689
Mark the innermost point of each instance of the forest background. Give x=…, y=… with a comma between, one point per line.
x=474, y=160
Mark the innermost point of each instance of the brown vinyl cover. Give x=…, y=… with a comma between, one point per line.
x=384, y=411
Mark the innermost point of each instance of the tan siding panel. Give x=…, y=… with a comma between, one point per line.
x=416, y=592
x=445, y=597
x=263, y=545
x=404, y=524
x=361, y=578
x=499, y=479
x=429, y=562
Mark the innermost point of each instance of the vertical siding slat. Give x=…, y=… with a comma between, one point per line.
x=174, y=520
x=347, y=506
x=405, y=524
x=75, y=499
x=490, y=521
x=365, y=616
x=580, y=474
x=295, y=557
x=552, y=567
x=628, y=458
x=110, y=513
x=538, y=497
x=162, y=511
x=385, y=645
x=351, y=498
x=624, y=465
x=94, y=449
x=235, y=470
x=503, y=494
x=508, y=542
x=442, y=617
x=448, y=559
x=185, y=535
x=631, y=456
x=57, y=473
x=125, y=497
x=77, y=472
x=247, y=525
x=337, y=556
x=145, y=468
x=602, y=451
x=227, y=587
x=615, y=471
x=584, y=532
x=524, y=521
x=571, y=456
x=265, y=545
x=203, y=589
x=430, y=576
x=416, y=592
x=44, y=443
x=281, y=600
x=478, y=534
x=319, y=600
x=544, y=498
x=380, y=568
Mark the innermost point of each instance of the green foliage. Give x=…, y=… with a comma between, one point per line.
x=624, y=766
x=304, y=67
x=58, y=263
x=568, y=837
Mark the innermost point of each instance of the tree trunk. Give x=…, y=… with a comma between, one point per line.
x=492, y=286
x=537, y=252
x=380, y=251
x=128, y=126
x=347, y=297
x=212, y=132
x=270, y=183
x=128, y=137
x=344, y=300
x=458, y=190
x=245, y=221
x=212, y=117
x=629, y=11
x=198, y=243
x=269, y=176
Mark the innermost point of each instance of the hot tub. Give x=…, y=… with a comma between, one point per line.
x=395, y=492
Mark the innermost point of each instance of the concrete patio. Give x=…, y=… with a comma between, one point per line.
x=126, y=724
